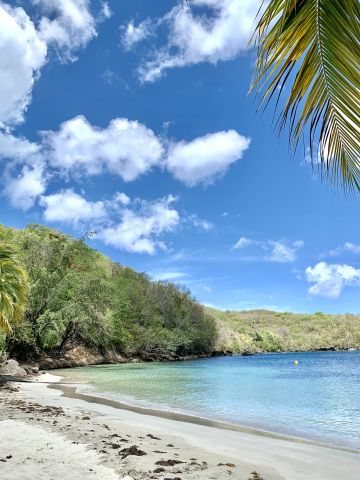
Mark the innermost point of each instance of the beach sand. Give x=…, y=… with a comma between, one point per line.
x=45, y=435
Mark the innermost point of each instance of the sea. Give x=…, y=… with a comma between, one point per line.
x=312, y=395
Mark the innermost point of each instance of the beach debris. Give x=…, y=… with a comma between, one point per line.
x=85, y=418
x=8, y=457
x=168, y=463
x=150, y=435
x=255, y=476
x=30, y=407
x=114, y=446
x=170, y=445
x=133, y=450
x=159, y=470
x=158, y=451
x=230, y=465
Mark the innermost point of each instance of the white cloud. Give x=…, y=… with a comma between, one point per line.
x=205, y=158
x=168, y=276
x=125, y=148
x=139, y=231
x=69, y=207
x=24, y=176
x=136, y=226
x=67, y=24
x=277, y=251
x=122, y=198
x=329, y=280
x=244, y=242
x=105, y=12
x=22, y=54
x=220, y=35
x=282, y=252
x=17, y=148
x=206, y=288
x=200, y=222
x=347, y=247
x=24, y=188
x=132, y=35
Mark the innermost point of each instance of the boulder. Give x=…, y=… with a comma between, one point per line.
x=12, y=368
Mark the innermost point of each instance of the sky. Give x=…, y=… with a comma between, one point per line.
x=132, y=120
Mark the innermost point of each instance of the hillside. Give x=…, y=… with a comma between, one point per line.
x=84, y=308
x=266, y=331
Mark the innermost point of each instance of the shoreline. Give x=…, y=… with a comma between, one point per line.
x=97, y=441
x=70, y=391
x=90, y=358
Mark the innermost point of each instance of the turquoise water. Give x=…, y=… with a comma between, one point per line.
x=319, y=399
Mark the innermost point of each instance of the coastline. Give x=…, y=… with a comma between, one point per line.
x=97, y=426
x=90, y=358
x=70, y=391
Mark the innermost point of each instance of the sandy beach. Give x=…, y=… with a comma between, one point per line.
x=45, y=434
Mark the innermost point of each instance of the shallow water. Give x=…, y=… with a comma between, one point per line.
x=318, y=399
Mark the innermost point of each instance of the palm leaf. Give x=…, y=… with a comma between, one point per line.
x=314, y=46
x=14, y=287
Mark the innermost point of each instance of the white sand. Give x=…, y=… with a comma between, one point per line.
x=99, y=426
x=43, y=455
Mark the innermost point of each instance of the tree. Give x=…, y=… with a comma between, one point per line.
x=14, y=286
x=312, y=46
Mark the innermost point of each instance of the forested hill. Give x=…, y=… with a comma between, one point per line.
x=266, y=331
x=81, y=298
x=84, y=308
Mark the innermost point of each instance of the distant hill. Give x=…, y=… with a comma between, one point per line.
x=266, y=331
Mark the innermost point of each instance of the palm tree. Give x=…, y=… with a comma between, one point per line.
x=14, y=286
x=312, y=47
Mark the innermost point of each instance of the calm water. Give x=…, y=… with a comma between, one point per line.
x=319, y=399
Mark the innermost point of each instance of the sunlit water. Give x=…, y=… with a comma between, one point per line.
x=318, y=399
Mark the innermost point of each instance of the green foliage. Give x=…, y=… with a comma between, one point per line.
x=311, y=48
x=79, y=297
x=14, y=286
x=265, y=331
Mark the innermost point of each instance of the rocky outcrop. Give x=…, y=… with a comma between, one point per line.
x=80, y=357
x=13, y=369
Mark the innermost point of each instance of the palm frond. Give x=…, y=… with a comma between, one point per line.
x=313, y=47
x=14, y=287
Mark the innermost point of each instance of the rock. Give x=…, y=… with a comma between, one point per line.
x=12, y=368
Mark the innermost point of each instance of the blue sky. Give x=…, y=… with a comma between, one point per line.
x=132, y=119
